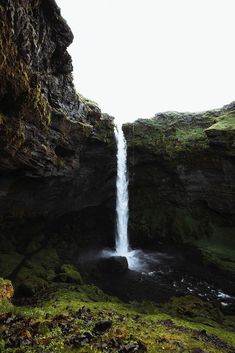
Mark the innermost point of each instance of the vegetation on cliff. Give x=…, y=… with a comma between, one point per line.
x=171, y=134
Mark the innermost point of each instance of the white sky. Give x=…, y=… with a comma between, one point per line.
x=139, y=57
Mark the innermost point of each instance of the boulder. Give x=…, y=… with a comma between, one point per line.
x=113, y=264
x=101, y=327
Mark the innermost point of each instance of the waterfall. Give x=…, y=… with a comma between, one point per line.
x=122, y=200
x=122, y=207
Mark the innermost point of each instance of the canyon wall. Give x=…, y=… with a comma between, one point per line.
x=57, y=150
x=182, y=182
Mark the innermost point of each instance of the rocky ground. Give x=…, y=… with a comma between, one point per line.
x=81, y=318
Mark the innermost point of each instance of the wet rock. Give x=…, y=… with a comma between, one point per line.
x=103, y=326
x=84, y=311
x=78, y=341
x=135, y=347
x=198, y=350
x=113, y=264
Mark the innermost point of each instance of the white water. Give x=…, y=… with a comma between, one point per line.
x=122, y=205
x=122, y=247
x=122, y=199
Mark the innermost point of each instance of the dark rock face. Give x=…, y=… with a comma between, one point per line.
x=182, y=182
x=44, y=122
x=57, y=151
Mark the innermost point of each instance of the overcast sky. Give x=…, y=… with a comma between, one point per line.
x=139, y=57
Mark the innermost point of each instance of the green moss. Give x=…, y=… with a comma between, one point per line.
x=4, y=282
x=69, y=274
x=12, y=69
x=152, y=217
x=6, y=291
x=2, y=345
x=30, y=285
x=104, y=131
x=194, y=308
x=36, y=105
x=60, y=162
x=172, y=133
x=9, y=262
x=2, y=119
x=224, y=122
x=36, y=272
x=87, y=101
x=219, y=248
x=157, y=328
x=16, y=75
x=86, y=128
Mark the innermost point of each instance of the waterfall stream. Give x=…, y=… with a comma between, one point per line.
x=122, y=207
x=122, y=246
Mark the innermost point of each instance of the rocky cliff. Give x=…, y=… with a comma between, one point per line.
x=58, y=165
x=182, y=182
x=57, y=150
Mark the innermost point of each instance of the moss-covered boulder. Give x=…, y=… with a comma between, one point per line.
x=6, y=290
x=69, y=274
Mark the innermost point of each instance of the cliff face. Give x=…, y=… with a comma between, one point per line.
x=44, y=123
x=182, y=182
x=57, y=150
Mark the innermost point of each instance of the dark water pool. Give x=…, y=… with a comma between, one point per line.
x=157, y=276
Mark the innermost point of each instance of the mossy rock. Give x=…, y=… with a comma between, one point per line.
x=37, y=272
x=30, y=286
x=6, y=290
x=71, y=311
x=171, y=134
x=69, y=274
x=9, y=262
